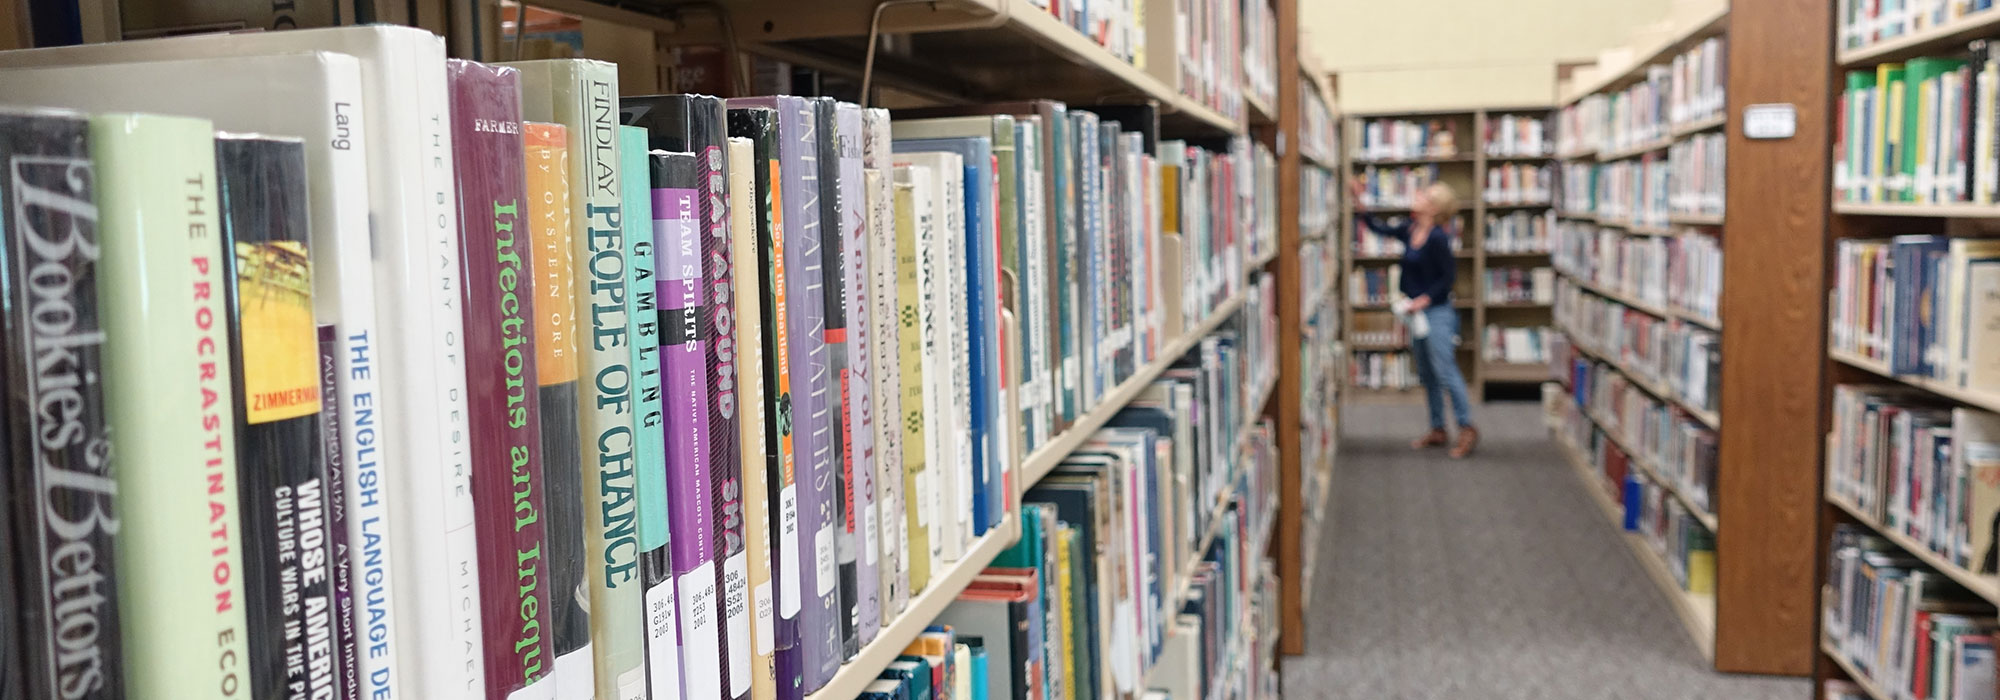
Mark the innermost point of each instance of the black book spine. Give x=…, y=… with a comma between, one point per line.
x=347, y=645
x=280, y=455
x=59, y=624
x=835, y=293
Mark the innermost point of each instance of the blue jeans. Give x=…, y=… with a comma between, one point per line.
x=1437, y=368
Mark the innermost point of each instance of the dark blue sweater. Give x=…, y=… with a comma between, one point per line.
x=1427, y=270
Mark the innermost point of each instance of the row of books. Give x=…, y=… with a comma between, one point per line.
x=1905, y=628
x=1688, y=88
x=1319, y=263
x=1632, y=192
x=1374, y=286
x=1319, y=199
x=1681, y=272
x=426, y=162
x=1519, y=232
x=1370, y=244
x=1576, y=189
x=1381, y=371
x=1517, y=345
x=1695, y=175
x=1322, y=367
x=1520, y=184
x=1677, y=448
x=1864, y=23
x=1151, y=518
x=1406, y=139
x=1319, y=130
x=1113, y=24
x=1920, y=131
x=1257, y=195
x=1211, y=41
x=1919, y=468
x=1675, y=534
x=1677, y=357
x=1378, y=330
x=1260, y=55
x=1926, y=306
x=1518, y=136
x=1395, y=187
x=1520, y=285
x=1699, y=78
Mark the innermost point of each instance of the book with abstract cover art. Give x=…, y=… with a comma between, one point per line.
x=507, y=479
x=281, y=463
x=49, y=220
x=556, y=375
x=812, y=401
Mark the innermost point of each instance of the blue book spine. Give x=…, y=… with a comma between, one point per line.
x=1634, y=498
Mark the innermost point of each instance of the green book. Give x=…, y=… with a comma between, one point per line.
x=582, y=95
x=168, y=382
x=1889, y=130
x=1910, y=151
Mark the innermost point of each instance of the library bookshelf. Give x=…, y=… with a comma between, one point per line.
x=954, y=52
x=1369, y=324
x=1856, y=220
x=1708, y=479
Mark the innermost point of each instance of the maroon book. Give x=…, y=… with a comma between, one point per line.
x=501, y=391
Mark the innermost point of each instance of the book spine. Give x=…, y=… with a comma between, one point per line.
x=347, y=650
x=830, y=229
x=908, y=341
x=641, y=297
x=417, y=265
x=508, y=483
x=964, y=469
x=889, y=491
x=274, y=356
x=166, y=371
x=718, y=320
x=344, y=303
x=759, y=125
x=856, y=397
x=678, y=232
x=754, y=452
x=586, y=100
x=816, y=427
x=64, y=518
x=556, y=375
x=1034, y=301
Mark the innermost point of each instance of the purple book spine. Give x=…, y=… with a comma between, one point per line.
x=856, y=393
x=718, y=331
x=813, y=398
x=677, y=234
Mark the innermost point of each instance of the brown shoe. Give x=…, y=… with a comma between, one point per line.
x=1435, y=438
x=1468, y=438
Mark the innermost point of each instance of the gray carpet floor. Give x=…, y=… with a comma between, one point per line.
x=1488, y=578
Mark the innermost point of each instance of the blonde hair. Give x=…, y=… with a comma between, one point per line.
x=1444, y=201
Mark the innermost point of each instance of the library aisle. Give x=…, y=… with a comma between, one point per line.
x=1488, y=577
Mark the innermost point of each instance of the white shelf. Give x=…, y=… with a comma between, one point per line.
x=858, y=672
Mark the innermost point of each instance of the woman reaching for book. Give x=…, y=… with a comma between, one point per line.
x=1429, y=268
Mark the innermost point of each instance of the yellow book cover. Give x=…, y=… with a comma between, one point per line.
x=1066, y=538
x=1701, y=572
x=918, y=492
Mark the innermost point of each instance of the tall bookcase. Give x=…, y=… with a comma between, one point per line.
x=1483, y=302
x=1681, y=389
x=1869, y=506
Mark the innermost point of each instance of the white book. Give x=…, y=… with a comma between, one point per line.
x=412, y=209
x=939, y=204
x=886, y=365
x=582, y=95
x=316, y=96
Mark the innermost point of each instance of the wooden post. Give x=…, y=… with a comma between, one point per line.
x=1291, y=504
x=1774, y=336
